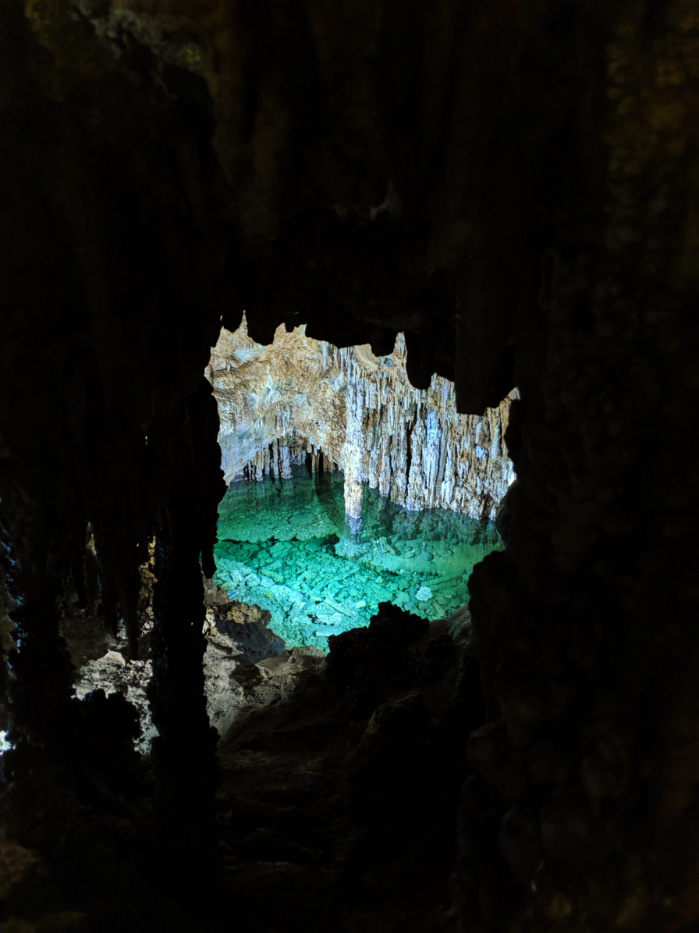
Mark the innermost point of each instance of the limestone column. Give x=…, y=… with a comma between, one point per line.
x=353, y=448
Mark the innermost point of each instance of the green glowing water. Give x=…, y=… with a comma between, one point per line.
x=284, y=545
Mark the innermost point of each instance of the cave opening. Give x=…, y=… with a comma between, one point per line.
x=347, y=486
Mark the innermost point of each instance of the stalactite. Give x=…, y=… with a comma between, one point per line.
x=415, y=447
x=305, y=396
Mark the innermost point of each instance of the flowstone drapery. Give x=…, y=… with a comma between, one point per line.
x=299, y=397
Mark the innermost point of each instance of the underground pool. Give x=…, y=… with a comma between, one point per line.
x=284, y=545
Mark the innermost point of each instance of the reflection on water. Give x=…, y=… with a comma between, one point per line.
x=284, y=545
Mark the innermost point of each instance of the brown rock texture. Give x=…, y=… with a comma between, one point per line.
x=299, y=396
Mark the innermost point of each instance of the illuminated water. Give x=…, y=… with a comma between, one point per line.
x=284, y=545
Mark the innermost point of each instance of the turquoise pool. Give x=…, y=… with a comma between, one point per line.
x=284, y=545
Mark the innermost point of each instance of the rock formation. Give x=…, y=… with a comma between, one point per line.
x=513, y=186
x=300, y=397
x=245, y=663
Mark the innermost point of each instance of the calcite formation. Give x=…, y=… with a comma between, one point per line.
x=245, y=666
x=349, y=409
x=515, y=187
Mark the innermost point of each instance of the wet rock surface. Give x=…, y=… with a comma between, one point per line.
x=284, y=544
x=352, y=410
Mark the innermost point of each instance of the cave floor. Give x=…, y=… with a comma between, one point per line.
x=334, y=810
x=312, y=809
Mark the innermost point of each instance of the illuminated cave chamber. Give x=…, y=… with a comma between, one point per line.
x=347, y=486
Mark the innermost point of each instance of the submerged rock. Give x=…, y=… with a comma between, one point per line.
x=315, y=587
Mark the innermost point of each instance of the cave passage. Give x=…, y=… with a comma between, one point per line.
x=285, y=546
x=395, y=195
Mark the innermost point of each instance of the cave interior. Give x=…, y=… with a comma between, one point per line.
x=348, y=487
x=513, y=186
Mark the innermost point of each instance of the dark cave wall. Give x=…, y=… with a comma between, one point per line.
x=585, y=622
x=539, y=166
x=107, y=319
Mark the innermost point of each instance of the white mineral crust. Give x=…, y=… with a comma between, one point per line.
x=299, y=397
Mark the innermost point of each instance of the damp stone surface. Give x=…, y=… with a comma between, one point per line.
x=285, y=546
